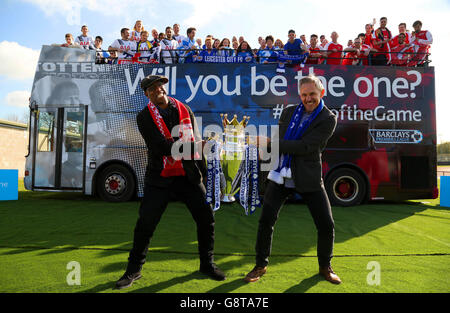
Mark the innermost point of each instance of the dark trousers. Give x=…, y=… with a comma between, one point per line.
x=380, y=59
x=320, y=209
x=152, y=207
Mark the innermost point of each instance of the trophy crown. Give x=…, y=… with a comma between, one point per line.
x=234, y=121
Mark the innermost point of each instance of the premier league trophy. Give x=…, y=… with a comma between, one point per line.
x=232, y=165
x=233, y=153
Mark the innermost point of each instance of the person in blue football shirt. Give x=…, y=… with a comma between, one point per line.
x=294, y=46
x=269, y=54
x=244, y=53
x=225, y=49
x=208, y=54
x=188, y=48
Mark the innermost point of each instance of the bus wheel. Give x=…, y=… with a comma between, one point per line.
x=345, y=187
x=116, y=184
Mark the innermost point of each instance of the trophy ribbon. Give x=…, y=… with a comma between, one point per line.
x=214, y=173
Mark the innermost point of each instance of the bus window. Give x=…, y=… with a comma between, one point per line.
x=46, y=139
x=74, y=132
x=350, y=136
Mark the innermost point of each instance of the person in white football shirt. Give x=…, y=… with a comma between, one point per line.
x=137, y=30
x=84, y=40
x=176, y=34
x=69, y=42
x=168, y=45
x=101, y=55
x=124, y=46
x=147, y=52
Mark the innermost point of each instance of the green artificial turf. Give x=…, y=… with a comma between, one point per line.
x=42, y=232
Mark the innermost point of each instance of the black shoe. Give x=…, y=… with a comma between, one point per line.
x=213, y=271
x=127, y=280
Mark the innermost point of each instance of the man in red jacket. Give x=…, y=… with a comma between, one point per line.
x=166, y=173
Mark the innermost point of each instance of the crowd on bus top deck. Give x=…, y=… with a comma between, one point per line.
x=375, y=46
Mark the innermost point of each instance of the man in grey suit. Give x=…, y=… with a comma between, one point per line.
x=303, y=133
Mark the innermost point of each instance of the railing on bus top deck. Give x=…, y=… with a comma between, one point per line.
x=420, y=59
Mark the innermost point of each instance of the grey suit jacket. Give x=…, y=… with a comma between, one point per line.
x=306, y=165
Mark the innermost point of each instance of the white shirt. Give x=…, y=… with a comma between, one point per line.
x=167, y=55
x=179, y=38
x=135, y=36
x=146, y=51
x=123, y=45
x=85, y=42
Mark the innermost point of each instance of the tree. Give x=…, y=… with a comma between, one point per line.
x=443, y=148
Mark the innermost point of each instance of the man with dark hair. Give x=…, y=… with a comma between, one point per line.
x=381, y=38
x=269, y=54
x=365, y=56
x=188, y=48
x=303, y=38
x=402, y=52
x=124, y=46
x=84, y=40
x=314, y=51
x=167, y=174
x=168, y=47
x=421, y=40
x=101, y=55
x=323, y=42
x=303, y=133
x=294, y=45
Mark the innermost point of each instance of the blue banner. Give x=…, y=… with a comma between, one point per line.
x=9, y=184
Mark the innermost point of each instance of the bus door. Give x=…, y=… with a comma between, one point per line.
x=60, y=148
x=73, y=148
x=45, y=147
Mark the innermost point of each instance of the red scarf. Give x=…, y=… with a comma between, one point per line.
x=172, y=167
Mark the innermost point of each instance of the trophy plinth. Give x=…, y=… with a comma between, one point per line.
x=228, y=198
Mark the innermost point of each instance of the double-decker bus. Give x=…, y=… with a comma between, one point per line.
x=84, y=136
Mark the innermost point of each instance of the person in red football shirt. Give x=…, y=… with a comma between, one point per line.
x=323, y=42
x=402, y=52
x=381, y=38
x=421, y=40
x=369, y=33
x=356, y=55
x=367, y=51
x=314, y=51
x=352, y=53
x=333, y=50
x=401, y=30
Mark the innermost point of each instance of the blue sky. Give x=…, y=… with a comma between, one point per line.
x=25, y=25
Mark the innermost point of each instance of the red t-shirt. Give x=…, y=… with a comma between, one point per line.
x=362, y=55
x=349, y=58
x=313, y=60
x=394, y=41
x=421, y=41
x=401, y=54
x=334, y=57
x=384, y=47
x=368, y=40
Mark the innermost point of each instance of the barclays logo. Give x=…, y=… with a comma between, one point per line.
x=3, y=185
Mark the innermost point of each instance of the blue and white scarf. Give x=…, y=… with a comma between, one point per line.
x=215, y=178
x=249, y=190
x=294, y=132
x=296, y=59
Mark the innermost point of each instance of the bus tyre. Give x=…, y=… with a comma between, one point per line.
x=345, y=187
x=116, y=184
